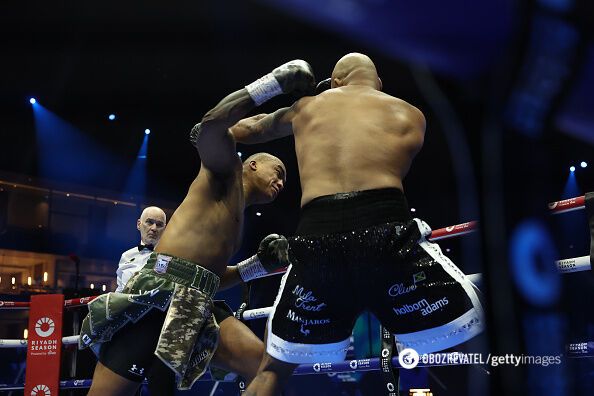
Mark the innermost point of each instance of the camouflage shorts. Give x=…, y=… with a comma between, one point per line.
x=189, y=336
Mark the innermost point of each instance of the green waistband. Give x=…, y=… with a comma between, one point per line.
x=184, y=272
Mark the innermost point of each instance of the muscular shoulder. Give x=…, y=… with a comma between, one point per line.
x=300, y=105
x=407, y=112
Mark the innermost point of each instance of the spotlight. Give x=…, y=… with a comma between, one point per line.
x=584, y=164
x=258, y=214
x=32, y=101
x=239, y=153
x=572, y=169
x=111, y=117
x=147, y=131
x=413, y=210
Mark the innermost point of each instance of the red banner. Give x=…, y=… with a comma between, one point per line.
x=44, y=345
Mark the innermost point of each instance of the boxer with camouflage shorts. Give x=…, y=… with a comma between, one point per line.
x=170, y=299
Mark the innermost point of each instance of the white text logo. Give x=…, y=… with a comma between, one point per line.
x=306, y=299
x=423, y=305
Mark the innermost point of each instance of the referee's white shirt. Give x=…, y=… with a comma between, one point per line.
x=132, y=261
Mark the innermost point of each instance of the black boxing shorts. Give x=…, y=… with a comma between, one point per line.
x=131, y=352
x=361, y=251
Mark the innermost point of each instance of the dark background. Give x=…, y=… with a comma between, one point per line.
x=162, y=65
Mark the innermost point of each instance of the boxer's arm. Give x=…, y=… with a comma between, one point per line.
x=215, y=144
x=262, y=128
x=212, y=137
x=230, y=278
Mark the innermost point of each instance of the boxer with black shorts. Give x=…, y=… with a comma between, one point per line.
x=356, y=247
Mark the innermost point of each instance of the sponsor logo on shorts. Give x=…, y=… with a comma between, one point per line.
x=419, y=277
x=399, y=289
x=162, y=264
x=198, y=358
x=304, y=331
x=293, y=317
x=139, y=371
x=423, y=305
x=306, y=300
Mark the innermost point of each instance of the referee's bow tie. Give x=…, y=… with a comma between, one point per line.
x=141, y=247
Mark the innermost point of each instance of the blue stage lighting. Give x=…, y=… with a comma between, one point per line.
x=32, y=101
x=111, y=117
x=147, y=131
x=584, y=164
x=572, y=169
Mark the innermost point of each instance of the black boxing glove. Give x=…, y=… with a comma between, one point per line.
x=273, y=253
x=293, y=77
x=323, y=85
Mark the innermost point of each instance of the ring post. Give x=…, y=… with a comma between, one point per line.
x=44, y=345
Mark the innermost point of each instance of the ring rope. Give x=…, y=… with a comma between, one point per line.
x=355, y=365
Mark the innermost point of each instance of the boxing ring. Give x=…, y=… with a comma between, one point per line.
x=388, y=363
